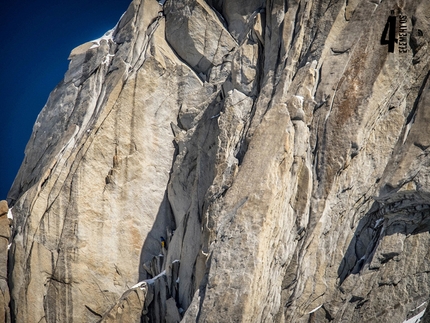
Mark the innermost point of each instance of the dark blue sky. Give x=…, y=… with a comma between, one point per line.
x=37, y=37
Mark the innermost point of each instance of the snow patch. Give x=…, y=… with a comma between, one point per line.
x=420, y=306
x=417, y=318
x=107, y=36
x=9, y=214
x=107, y=58
x=300, y=98
x=378, y=222
x=145, y=282
x=152, y=280
x=316, y=309
x=141, y=284
x=408, y=129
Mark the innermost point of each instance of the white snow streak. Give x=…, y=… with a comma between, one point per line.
x=316, y=309
x=143, y=283
x=420, y=306
x=9, y=214
x=107, y=58
x=139, y=284
x=107, y=36
x=152, y=280
x=378, y=222
x=416, y=318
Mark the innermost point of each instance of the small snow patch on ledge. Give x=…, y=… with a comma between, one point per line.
x=417, y=318
x=141, y=284
x=9, y=214
x=145, y=282
x=315, y=309
x=107, y=36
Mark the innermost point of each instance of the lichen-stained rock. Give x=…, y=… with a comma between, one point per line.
x=244, y=161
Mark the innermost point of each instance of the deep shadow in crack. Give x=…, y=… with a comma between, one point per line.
x=177, y=259
x=374, y=226
x=152, y=247
x=164, y=224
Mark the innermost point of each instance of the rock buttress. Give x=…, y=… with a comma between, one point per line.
x=244, y=161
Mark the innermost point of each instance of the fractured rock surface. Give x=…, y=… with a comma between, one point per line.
x=232, y=161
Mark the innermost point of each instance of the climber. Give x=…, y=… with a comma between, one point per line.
x=163, y=243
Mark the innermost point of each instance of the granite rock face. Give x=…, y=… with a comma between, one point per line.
x=232, y=161
x=4, y=243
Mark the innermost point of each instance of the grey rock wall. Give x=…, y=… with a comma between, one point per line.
x=4, y=243
x=232, y=161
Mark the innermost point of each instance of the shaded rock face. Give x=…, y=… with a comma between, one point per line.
x=242, y=161
x=4, y=242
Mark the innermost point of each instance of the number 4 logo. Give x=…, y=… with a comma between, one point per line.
x=391, y=27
